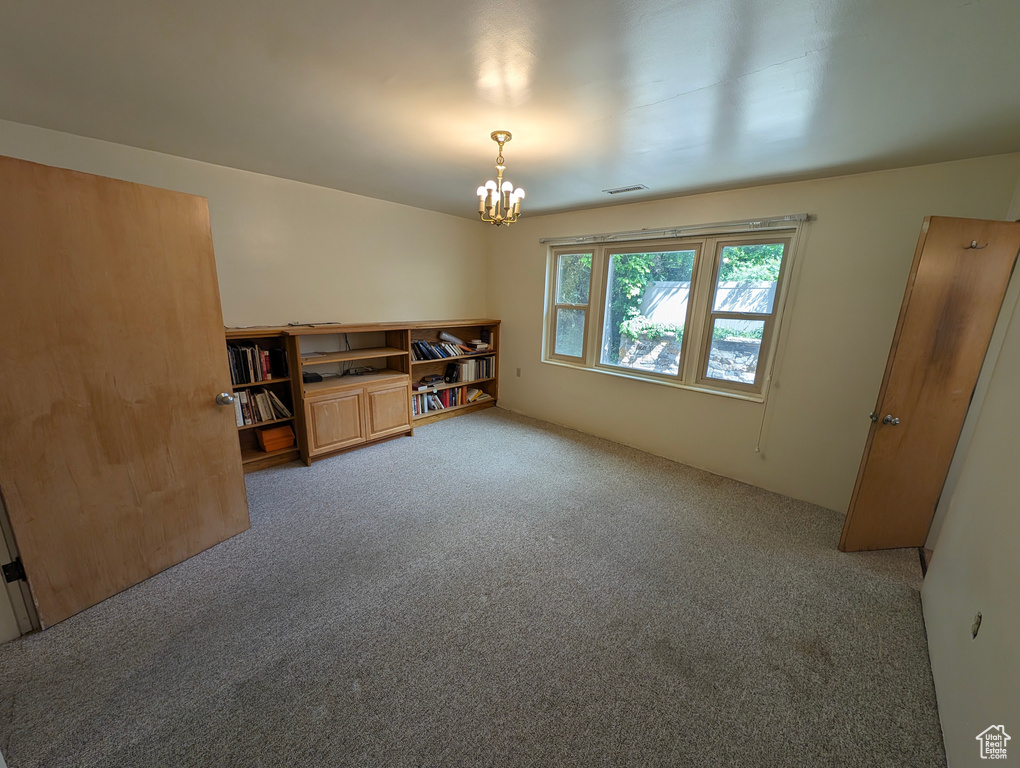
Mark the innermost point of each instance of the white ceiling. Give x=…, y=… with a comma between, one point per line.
x=397, y=100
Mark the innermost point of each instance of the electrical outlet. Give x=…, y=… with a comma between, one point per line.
x=518, y=373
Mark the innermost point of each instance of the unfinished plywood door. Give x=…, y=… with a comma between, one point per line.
x=116, y=462
x=957, y=281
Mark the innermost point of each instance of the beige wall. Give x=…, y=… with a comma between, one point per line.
x=975, y=569
x=292, y=252
x=848, y=285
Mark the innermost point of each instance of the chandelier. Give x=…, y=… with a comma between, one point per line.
x=498, y=202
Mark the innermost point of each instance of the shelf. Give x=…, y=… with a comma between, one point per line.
x=342, y=382
x=453, y=408
x=458, y=357
x=354, y=354
x=251, y=455
x=435, y=387
x=260, y=383
x=266, y=423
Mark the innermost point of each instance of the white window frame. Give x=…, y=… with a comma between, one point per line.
x=555, y=306
x=697, y=340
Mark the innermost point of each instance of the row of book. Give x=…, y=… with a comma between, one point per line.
x=438, y=400
x=250, y=364
x=257, y=406
x=470, y=370
x=438, y=350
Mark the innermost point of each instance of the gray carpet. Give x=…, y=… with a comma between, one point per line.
x=494, y=591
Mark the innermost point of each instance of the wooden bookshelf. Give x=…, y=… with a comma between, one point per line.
x=280, y=347
x=452, y=358
x=315, y=388
x=364, y=395
x=450, y=411
x=454, y=385
x=373, y=353
x=254, y=459
x=258, y=424
x=261, y=383
x=467, y=331
x=369, y=378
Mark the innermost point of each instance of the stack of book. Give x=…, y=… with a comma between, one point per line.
x=438, y=350
x=257, y=406
x=470, y=370
x=438, y=400
x=250, y=364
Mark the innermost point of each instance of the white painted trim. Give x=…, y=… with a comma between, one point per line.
x=748, y=226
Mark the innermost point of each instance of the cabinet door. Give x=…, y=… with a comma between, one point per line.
x=388, y=411
x=335, y=422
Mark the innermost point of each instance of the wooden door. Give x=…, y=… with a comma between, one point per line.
x=116, y=462
x=335, y=421
x=388, y=411
x=951, y=304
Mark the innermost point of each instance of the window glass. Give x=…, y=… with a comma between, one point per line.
x=569, y=332
x=733, y=353
x=647, y=296
x=653, y=310
x=573, y=277
x=748, y=275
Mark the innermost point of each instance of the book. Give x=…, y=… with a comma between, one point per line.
x=282, y=410
x=278, y=363
x=266, y=406
x=237, y=411
x=246, y=407
x=263, y=406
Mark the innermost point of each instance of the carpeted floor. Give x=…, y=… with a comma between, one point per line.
x=494, y=591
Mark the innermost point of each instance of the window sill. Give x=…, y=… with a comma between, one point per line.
x=749, y=397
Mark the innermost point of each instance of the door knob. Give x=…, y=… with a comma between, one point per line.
x=890, y=419
x=873, y=416
x=224, y=398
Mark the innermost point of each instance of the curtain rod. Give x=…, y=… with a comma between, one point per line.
x=725, y=227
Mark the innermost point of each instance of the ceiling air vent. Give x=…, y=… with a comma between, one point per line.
x=623, y=190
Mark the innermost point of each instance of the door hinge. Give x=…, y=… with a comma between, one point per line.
x=14, y=571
